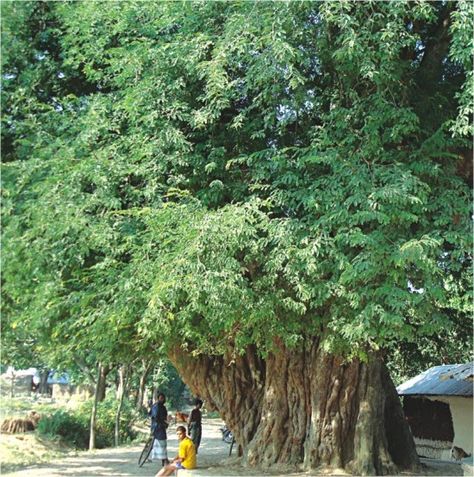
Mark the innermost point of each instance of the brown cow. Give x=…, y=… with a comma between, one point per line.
x=181, y=416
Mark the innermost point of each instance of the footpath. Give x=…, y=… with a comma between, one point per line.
x=213, y=459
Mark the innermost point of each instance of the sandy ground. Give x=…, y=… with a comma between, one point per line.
x=213, y=455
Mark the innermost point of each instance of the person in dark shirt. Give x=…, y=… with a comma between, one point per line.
x=195, y=424
x=159, y=423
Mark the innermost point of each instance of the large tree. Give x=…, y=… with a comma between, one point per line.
x=276, y=193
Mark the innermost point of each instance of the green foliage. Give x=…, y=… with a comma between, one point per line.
x=20, y=406
x=70, y=427
x=167, y=380
x=73, y=426
x=223, y=173
x=106, y=412
x=461, y=52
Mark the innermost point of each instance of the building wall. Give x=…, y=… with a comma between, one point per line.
x=431, y=424
x=461, y=412
x=65, y=392
x=433, y=449
x=21, y=385
x=440, y=422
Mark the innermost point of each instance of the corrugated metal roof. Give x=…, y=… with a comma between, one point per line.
x=19, y=373
x=447, y=380
x=54, y=378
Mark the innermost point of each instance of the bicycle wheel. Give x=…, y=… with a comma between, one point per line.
x=146, y=451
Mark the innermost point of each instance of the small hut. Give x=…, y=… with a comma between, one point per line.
x=17, y=382
x=438, y=406
x=63, y=390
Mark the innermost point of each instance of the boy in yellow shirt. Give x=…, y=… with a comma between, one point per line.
x=186, y=458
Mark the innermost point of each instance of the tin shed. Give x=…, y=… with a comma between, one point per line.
x=438, y=406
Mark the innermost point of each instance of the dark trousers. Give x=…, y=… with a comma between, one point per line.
x=195, y=433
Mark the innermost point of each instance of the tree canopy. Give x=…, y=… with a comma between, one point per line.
x=226, y=173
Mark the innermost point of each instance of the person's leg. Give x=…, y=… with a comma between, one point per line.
x=166, y=470
x=153, y=451
x=160, y=452
x=198, y=438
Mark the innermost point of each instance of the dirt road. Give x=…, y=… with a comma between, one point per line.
x=122, y=461
x=213, y=456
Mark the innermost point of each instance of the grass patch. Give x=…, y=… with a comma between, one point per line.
x=20, y=406
x=22, y=450
x=63, y=427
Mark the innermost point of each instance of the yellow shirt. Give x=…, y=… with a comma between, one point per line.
x=187, y=452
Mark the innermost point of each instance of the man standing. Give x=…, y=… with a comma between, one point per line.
x=186, y=458
x=159, y=417
x=195, y=424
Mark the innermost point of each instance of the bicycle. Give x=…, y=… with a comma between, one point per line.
x=146, y=451
x=227, y=435
x=148, y=447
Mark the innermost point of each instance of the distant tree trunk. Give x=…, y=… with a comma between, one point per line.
x=85, y=368
x=98, y=389
x=306, y=408
x=43, y=384
x=102, y=382
x=141, y=389
x=12, y=386
x=123, y=375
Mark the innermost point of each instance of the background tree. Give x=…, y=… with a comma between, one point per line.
x=274, y=192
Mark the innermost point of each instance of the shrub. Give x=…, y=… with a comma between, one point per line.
x=105, y=421
x=70, y=427
x=73, y=426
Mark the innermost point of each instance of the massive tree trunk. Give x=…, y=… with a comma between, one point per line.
x=305, y=408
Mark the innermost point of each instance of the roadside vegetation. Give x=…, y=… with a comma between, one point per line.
x=62, y=430
x=72, y=425
x=20, y=450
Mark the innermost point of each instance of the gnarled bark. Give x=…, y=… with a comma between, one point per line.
x=305, y=407
x=232, y=385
